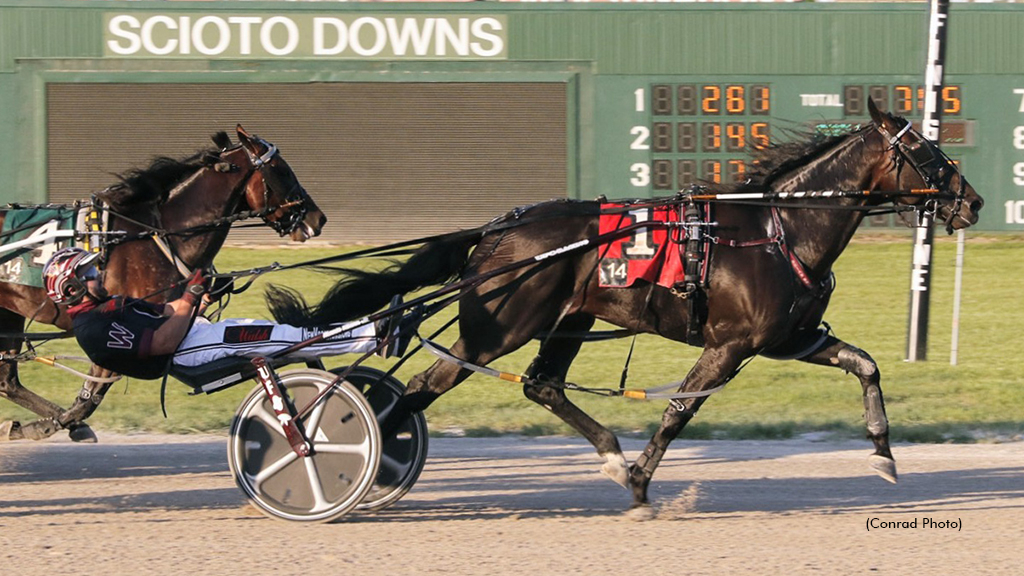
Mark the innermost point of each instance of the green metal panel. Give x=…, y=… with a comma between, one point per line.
x=606, y=54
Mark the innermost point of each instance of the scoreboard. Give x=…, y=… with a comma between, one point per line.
x=671, y=132
x=486, y=105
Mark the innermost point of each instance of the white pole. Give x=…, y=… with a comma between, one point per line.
x=954, y=346
x=921, y=273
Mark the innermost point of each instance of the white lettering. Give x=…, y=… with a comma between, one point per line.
x=641, y=247
x=410, y=31
x=820, y=100
x=266, y=35
x=223, y=32
x=445, y=35
x=185, y=35
x=922, y=254
x=641, y=133
x=1018, y=137
x=1021, y=92
x=117, y=28
x=481, y=28
x=357, y=42
x=147, y=35
x=248, y=35
x=245, y=24
x=1014, y=211
x=320, y=47
x=641, y=174
x=917, y=281
x=561, y=250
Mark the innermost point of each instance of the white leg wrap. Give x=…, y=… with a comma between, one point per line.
x=615, y=468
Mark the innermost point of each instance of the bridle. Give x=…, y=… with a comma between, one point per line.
x=931, y=164
x=295, y=198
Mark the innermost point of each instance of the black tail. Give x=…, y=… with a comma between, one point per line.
x=363, y=293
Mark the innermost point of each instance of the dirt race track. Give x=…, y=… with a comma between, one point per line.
x=167, y=505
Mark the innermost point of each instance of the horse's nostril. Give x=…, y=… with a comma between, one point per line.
x=976, y=206
x=323, y=221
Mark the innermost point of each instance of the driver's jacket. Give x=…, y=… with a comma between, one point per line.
x=117, y=334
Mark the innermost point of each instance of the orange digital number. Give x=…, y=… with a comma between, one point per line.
x=711, y=100
x=735, y=99
x=951, y=100
x=712, y=171
x=736, y=132
x=760, y=133
x=904, y=99
x=762, y=100
x=712, y=136
x=737, y=168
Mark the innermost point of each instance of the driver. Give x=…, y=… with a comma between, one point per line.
x=137, y=338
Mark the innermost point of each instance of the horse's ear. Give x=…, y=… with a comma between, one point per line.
x=221, y=140
x=876, y=114
x=245, y=138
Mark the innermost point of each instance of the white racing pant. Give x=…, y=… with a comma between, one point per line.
x=207, y=341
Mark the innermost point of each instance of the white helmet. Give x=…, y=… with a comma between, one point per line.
x=66, y=273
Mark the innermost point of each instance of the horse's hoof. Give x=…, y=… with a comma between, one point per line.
x=81, y=432
x=616, y=469
x=10, y=430
x=641, y=513
x=883, y=466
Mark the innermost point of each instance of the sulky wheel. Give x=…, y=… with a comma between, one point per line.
x=404, y=454
x=345, y=437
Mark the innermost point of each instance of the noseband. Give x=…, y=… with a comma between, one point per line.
x=932, y=165
x=295, y=198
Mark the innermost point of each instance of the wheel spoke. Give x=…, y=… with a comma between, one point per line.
x=385, y=410
x=272, y=469
x=319, y=500
x=270, y=420
x=362, y=448
x=313, y=422
x=389, y=463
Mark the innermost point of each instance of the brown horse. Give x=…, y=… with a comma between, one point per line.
x=767, y=289
x=191, y=200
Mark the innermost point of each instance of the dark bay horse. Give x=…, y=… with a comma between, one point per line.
x=755, y=301
x=193, y=196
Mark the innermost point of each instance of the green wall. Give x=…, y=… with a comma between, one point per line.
x=607, y=51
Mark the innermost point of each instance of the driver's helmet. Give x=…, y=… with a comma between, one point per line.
x=66, y=273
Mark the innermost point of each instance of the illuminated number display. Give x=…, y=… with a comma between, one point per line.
x=711, y=100
x=900, y=99
x=711, y=136
x=704, y=132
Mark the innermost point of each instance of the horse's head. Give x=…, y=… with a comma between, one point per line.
x=956, y=204
x=275, y=191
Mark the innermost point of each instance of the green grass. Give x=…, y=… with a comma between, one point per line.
x=931, y=401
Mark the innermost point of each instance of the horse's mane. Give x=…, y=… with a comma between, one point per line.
x=797, y=150
x=150, y=186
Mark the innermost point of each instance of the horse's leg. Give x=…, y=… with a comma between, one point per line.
x=839, y=354
x=715, y=366
x=552, y=362
x=428, y=386
x=11, y=388
x=88, y=399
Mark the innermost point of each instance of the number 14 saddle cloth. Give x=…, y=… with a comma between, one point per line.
x=38, y=232
x=654, y=254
